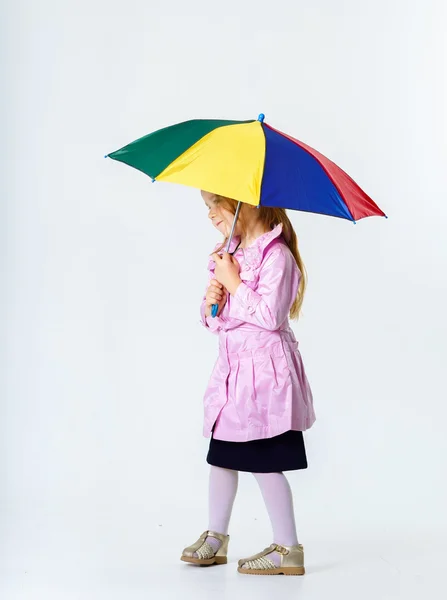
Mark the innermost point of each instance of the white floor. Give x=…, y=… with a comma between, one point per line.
x=375, y=569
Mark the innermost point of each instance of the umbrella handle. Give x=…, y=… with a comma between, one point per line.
x=215, y=307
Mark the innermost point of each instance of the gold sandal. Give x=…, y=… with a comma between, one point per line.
x=292, y=561
x=205, y=552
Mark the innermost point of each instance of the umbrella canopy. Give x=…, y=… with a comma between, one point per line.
x=248, y=161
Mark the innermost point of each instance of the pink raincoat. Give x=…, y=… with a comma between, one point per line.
x=258, y=387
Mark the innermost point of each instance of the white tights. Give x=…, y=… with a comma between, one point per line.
x=277, y=495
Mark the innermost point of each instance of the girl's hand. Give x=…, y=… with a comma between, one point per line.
x=227, y=271
x=216, y=294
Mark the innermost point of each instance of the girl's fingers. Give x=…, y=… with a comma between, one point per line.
x=214, y=295
x=215, y=292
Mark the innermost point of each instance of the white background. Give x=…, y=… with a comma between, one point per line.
x=103, y=473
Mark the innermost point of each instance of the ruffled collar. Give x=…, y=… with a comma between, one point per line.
x=254, y=253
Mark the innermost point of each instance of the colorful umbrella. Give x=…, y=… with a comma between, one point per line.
x=251, y=162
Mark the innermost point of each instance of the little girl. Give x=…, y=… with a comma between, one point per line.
x=258, y=401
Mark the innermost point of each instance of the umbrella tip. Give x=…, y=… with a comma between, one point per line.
x=261, y=117
x=106, y=156
x=153, y=179
x=355, y=222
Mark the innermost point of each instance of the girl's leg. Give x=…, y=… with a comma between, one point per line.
x=223, y=485
x=279, y=503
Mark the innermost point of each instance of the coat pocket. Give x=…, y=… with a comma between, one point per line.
x=260, y=384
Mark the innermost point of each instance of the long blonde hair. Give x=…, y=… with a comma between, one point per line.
x=270, y=217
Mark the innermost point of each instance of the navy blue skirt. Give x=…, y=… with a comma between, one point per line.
x=285, y=452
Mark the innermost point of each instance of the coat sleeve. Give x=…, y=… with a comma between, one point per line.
x=269, y=306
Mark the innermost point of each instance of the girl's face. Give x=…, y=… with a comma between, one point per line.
x=221, y=218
